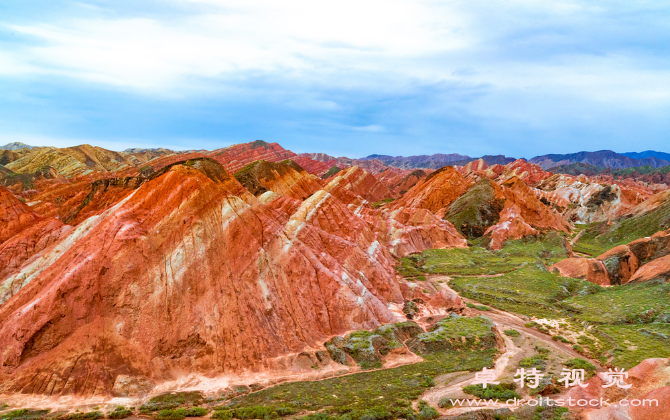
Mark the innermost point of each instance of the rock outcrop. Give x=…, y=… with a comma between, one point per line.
x=641, y=260
x=190, y=273
x=648, y=381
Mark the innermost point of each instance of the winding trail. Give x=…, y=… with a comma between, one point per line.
x=502, y=320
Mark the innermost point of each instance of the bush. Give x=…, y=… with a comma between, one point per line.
x=222, y=414
x=91, y=415
x=445, y=402
x=172, y=414
x=426, y=412
x=512, y=333
x=581, y=364
x=120, y=412
x=501, y=392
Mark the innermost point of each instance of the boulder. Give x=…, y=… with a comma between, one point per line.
x=656, y=269
x=583, y=268
x=620, y=263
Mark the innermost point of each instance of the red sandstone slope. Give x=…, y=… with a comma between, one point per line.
x=15, y=215
x=435, y=192
x=237, y=156
x=23, y=234
x=285, y=178
x=362, y=183
x=190, y=273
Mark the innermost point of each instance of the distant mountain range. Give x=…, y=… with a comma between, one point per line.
x=16, y=146
x=580, y=162
x=420, y=161
x=648, y=154
x=602, y=158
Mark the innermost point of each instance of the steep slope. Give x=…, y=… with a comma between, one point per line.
x=648, y=381
x=362, y=183
x=284, y=178
x=523, y=214
x=526, y=171
x=190, y=273
x=372, y=166
x=478, y=209
x=8, y=156
x=401, y=180
x=72, y=161
x=312, y=166
x=237, y=156
x=23, y=233
x=584, y=200
x=645, y=219
x=15, y=216
x=435, y=192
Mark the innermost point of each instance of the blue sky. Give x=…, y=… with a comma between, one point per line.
x=352, y=78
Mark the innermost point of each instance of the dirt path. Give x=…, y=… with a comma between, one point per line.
x=503, y=321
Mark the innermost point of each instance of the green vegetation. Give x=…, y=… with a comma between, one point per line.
x=182, y=413
x=426, y=412
x=456, y=333
x=91, y=415
x=512, y=333
x=378, y=204
x=24, y=414
x=631, y=344
x=502, y=391
x=120, y=412
x=538, y=361
x=331, y=172
x=581, y=364
x=621, y=324
x=628, y=304
x=367, y=348
x=530, y=290
x=172, y=400
x=382, y=394
x=476, y=210
x=599, y=237
x=550, y=413
x=478, y=307
x=259, y=143
x=477, y=260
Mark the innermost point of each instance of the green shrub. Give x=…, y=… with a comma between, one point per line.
x=445, y=402
x=172, y=414
x=25, y=414
x=222, y=414
x=512, y=333
x=120, y=412
x=426, y=412
x=91, y=415
x=581, y=364
x=504, y=391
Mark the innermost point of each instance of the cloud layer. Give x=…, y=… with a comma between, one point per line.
x=519, y=77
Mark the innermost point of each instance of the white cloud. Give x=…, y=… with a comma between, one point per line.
x=295, y=38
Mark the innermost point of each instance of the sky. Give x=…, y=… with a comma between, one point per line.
x=347, y=78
